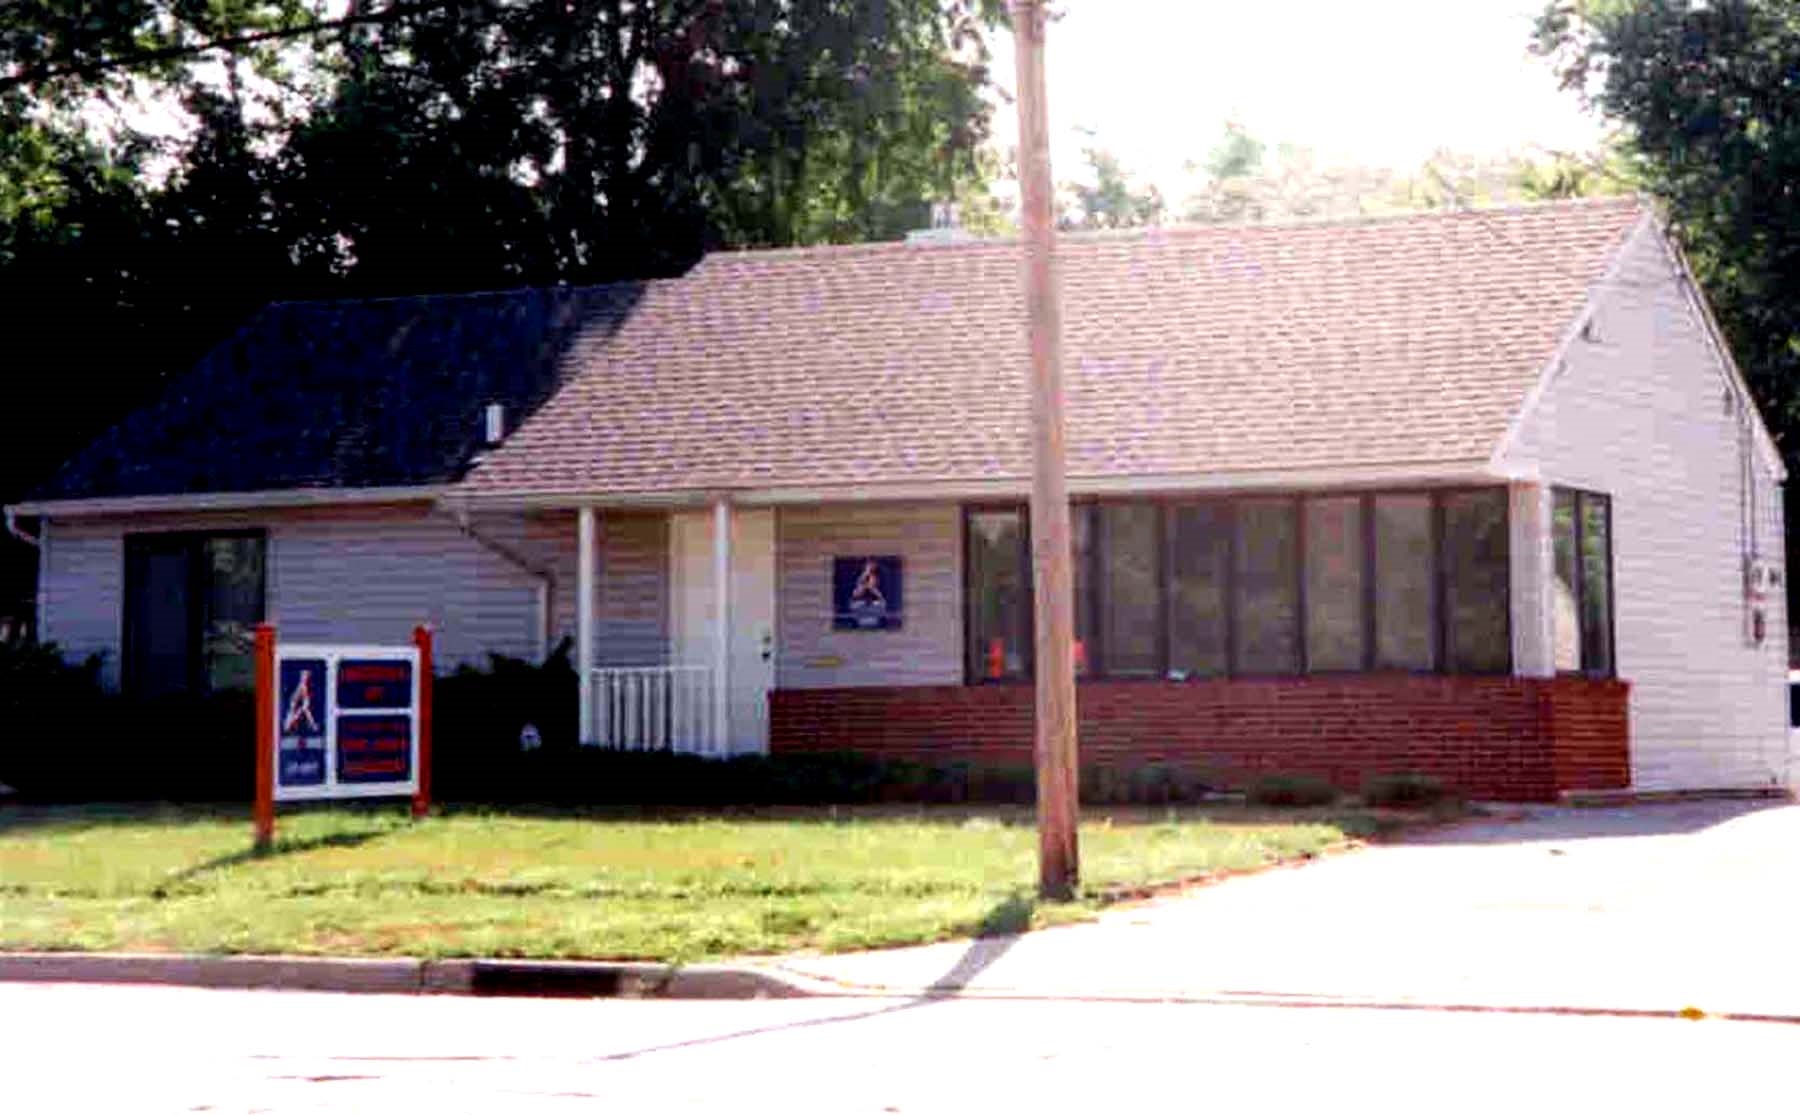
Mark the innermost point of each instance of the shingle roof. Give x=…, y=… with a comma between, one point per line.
x=351, y=394
x=1392, y=341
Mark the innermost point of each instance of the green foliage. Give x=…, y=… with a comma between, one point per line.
x=1291, y=791
x=1404, y=790
x=1111, y=201
x=1705, y=96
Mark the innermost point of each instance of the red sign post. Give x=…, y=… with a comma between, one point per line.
x=265, y=736
x=421, y=802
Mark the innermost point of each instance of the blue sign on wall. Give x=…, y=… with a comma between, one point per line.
x=302, y=711
x=374, y=748
x=374, y=683
x=867, y=593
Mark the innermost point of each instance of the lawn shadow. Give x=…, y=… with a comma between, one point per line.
x=996, y=934
x=253, y=854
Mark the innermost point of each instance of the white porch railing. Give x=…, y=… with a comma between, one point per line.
x=655, y=708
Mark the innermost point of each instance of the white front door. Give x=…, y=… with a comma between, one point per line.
x=750, y=672
x=752, y=629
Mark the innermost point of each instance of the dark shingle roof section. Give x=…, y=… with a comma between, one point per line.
x=353, y=394
x=1395, y=341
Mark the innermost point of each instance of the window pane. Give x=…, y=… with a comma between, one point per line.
x=233, y=569
x=1596, y=584
x=1081, y=547
x=1130, y=599
x=1268, y=587
x=999, y=640
x=1334, y=584
x=1405, y=570
x=1199, y=558
x=1476, y=575
x=1565, y=623
x=159, y=655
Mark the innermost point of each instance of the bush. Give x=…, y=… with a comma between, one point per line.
x=1291, y=791
x=67, y=738
x=1405, y=790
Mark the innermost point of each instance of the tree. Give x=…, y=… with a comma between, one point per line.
x=1705, y=97
x=1110, y=201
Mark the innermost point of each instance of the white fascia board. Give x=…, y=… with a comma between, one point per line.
x=226, y=501
x=1469, y=471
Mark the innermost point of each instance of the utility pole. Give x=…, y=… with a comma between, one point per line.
x=1059, y=857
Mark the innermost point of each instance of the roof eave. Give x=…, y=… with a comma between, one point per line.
x=226, y=501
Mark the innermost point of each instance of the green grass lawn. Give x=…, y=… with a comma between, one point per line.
x=611, y=884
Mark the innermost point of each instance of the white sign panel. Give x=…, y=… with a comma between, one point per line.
x=346, y=721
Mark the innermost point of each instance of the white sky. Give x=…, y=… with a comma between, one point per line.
x=1375, y=82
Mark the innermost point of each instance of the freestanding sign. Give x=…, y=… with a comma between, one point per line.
x=341, y=722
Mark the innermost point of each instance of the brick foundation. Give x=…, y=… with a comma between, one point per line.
x=1491, y=738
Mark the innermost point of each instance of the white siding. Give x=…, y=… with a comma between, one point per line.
x=927, y=650
x=1638, y=411
x=372, y=573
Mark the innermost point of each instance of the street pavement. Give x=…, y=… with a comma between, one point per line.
x=1653, y=908
x=154, y=1050
x=1542, y=962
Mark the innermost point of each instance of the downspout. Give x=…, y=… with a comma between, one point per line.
x=546, y=579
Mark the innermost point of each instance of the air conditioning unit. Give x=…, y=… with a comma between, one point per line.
x=1762, y=579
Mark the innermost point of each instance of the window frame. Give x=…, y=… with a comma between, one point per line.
x=1581, y=497
x=1228, y=503
x=192, y=544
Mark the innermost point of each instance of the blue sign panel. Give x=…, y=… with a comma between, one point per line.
x=302, y=711
x=374, y=683
x=867, y=593
x=374, y=748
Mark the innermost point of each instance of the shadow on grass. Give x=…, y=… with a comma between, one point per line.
x=997, y=932
x=251, y=855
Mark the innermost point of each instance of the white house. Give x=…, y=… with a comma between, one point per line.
x=1477, y=494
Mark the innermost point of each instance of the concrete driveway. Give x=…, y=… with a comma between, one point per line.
x=1648, y=908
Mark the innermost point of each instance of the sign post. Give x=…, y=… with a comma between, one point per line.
x=339, y=721
x=265, y=737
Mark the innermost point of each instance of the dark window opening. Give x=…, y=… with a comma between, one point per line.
x=1265, y=585
x=192, y=603
x=1581, y=604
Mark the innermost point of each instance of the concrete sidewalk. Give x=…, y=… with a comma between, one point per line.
x=1655, y=909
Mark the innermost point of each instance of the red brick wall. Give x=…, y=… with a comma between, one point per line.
x=1492, y=738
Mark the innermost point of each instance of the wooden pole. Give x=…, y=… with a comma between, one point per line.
x=421, y=802
x=264, y=810
x=1059, y=860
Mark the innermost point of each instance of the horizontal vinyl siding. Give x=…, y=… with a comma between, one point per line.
x=926, y=650
x=1637, y=412
x=81, y=596
x=370, y=574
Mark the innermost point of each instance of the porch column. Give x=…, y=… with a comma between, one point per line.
x=722, y=623
x=587, y=531
x=1533, y=639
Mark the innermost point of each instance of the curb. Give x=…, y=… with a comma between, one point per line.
x=401, y=976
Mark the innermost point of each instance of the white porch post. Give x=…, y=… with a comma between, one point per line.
x=722, y=623
x=588, y=547
x=1533, y=575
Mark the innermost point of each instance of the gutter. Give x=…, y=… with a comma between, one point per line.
x=227, y=501
x=13, y=528
x=546, y=578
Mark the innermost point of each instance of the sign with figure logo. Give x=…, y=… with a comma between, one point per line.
x=346, y=721
x=304, y=710
x=867, y=593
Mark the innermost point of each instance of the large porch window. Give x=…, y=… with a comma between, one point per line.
x=192, y=602
x=1257, y=586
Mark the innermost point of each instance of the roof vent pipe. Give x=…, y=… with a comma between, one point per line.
x=496, y=423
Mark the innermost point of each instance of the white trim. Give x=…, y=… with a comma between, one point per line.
x=587, y=553
x=1553, y=366
x=43, y=585
x=1472, y=470
x=721, y=678
x=227, y=501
